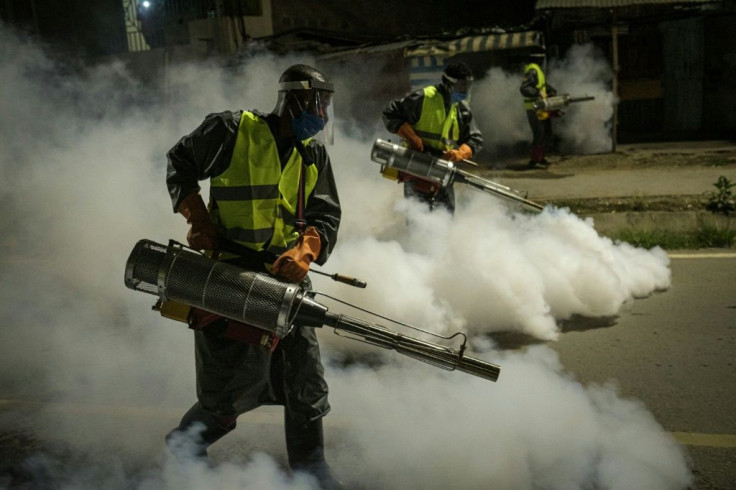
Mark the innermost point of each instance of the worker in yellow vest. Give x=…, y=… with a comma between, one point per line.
x=533, y=87
x=272, y=191
x=437, y=119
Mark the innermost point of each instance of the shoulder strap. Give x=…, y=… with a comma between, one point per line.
x=300, y=222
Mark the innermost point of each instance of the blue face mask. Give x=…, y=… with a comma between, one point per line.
x=456, y=97
x=306, y=125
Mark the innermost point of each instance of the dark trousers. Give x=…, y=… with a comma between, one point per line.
x=541, y=136
x=445, y=197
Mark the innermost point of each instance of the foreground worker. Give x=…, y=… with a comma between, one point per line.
x=437, y=119
x=534, y=86
x=273, y=191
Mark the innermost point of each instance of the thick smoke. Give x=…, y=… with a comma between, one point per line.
x=583, y=128
x=89, y=368
x=586, y=126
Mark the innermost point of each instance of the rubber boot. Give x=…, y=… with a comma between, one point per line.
x=197, y=430
x=537, y=156
x=305, y=448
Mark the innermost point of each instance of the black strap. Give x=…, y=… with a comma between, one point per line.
x=300, y=222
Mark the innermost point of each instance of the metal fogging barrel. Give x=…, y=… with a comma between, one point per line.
x=396, y=159
x=176, y=274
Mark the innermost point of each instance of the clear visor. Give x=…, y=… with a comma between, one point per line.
x=317, y=101
x=458, y=85
x=323, y=101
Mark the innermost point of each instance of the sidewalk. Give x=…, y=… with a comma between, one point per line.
x=618, y=189
x=641, y=170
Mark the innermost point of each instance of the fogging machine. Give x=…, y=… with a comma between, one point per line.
x=397, y=161
x=558, y=102
x=179, y=274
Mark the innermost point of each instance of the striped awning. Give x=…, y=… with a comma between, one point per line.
x=475, y=44
x=426, y=63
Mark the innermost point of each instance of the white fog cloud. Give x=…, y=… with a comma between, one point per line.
x=83, y=169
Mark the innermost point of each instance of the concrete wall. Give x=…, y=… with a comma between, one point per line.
x=396, y=18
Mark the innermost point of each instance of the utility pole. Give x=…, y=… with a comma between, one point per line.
x=35, y=17
x=614, y=87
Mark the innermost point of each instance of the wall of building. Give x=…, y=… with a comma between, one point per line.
x=675, y=71
x=682, y=77
x=393, y=19
x=79, y=27
x=719, y=75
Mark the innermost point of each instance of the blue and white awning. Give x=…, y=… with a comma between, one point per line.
x=427, y=61
x=475, y=44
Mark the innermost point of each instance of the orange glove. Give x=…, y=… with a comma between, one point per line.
x=462, y=153
x=408, y=134
x=293, y=265
x=202, y=235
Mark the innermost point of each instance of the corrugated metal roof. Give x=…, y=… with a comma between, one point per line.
x=570, y=4
x=426, y=62
x=448, y=48
x=369, y=49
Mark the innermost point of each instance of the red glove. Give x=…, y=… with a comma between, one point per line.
x=293, y=265
x=462, y=153
x=408, y=134
x=202, y=235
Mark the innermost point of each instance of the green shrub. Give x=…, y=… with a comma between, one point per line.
x=722, y=201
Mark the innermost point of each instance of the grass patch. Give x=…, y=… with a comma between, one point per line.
x=707, y=236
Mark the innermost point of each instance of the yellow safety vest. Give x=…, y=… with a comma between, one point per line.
x=541, y=86
x=257, y=202
x=436, y=128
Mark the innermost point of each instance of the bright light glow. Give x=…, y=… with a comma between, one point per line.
x=146, y=4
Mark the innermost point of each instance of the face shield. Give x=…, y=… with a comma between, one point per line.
x=459, y=88
x=310, y=108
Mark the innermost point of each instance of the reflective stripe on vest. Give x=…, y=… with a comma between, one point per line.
x=256, y=200
x=437, y=129
x=541, y=82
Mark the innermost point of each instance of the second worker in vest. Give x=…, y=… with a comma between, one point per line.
x=437, y=119
x=272, y=191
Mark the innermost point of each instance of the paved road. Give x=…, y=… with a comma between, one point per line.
x=675, y=352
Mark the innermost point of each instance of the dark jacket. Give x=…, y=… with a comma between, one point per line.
x=409, y=109
x=529, y=84
x=234, y=377
x=206, y=152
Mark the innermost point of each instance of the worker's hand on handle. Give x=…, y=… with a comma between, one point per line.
x=293, y=265
x=462, y=153
x=202, y=234
x=408, y=134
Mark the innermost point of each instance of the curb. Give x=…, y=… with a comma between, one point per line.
x=677, y=222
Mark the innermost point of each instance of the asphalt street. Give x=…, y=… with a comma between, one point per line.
x=674, y=351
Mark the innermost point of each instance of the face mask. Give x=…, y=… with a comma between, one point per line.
x=456, y=97
x=306, y=125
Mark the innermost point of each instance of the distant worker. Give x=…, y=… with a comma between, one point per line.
x=534, y=86
x=437, y=119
